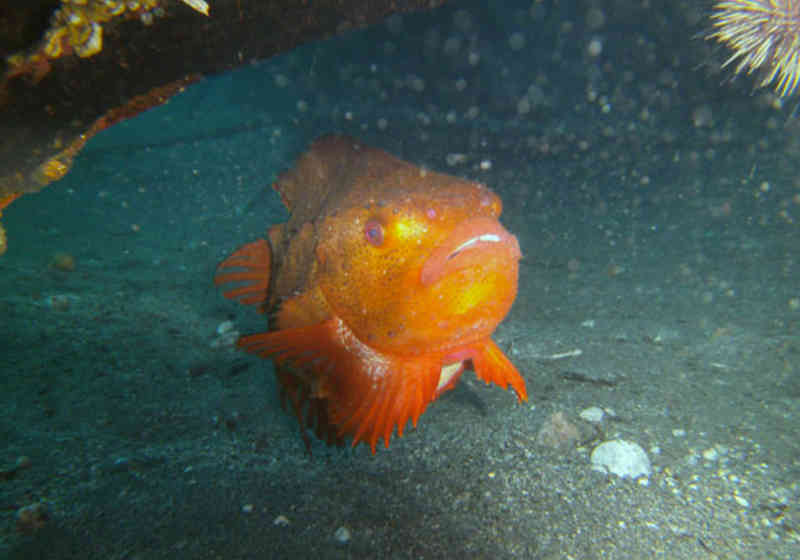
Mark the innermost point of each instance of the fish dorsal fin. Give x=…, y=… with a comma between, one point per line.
x=338, y=172
x=368, y=394
x=318, y=175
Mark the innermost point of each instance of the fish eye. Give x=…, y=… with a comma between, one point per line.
x=373, y=233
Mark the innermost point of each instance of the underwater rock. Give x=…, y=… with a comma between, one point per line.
x=32, y=518
x=557, y=432
x=593, y=414
x=622, y=458
x=342, y=535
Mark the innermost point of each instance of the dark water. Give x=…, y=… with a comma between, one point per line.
x=657, y=207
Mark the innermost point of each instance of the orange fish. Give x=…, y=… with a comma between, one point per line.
x=386, y=282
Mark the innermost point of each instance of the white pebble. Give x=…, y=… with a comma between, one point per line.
x=516, y=41
x=622, y=458
x=711, y=454
x=455, y=159
x=593, y=414
x=595, y=47
x=281, y=521
x=741, y=501
x=342, y=535
x=224, y=326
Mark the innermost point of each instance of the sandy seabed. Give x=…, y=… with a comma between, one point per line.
x=657, y=212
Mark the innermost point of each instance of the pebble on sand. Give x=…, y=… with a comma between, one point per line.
x=593, y=414
x=32, y=518
x=342, y=535
x=622, y=458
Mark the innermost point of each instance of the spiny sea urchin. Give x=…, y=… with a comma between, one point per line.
x=764, y=36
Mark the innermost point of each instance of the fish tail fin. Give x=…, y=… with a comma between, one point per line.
x=492, y=366
x=254, y=261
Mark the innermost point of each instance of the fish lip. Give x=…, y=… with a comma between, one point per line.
x=473, y=235
x=482, y=238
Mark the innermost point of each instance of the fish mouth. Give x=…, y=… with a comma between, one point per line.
x=471, y=243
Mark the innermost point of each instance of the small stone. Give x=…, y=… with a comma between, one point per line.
x=281, y=521
x=342, y=535
x=247, y=508
x=62, y=262
x=679, y=433
x=558, y=432
x=227, y=335
x=711, y=454
x=622, y=458
x=741, y=501
x=593, y=414
x=516, y=41
x=32, y=518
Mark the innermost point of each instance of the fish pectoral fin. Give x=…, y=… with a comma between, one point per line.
x=492, y=366
x=253, y=260
x=383, y=396
x=367, y=393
